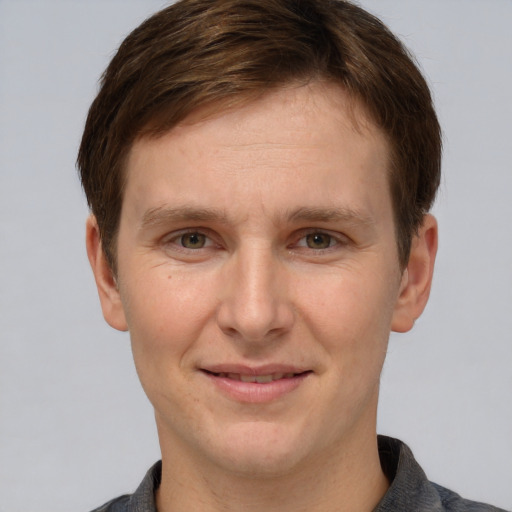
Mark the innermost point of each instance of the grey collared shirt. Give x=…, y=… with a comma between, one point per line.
x=410, y=490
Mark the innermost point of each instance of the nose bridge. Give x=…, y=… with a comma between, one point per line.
x=254, y=302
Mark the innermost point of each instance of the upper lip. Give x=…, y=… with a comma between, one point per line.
x=267, y=369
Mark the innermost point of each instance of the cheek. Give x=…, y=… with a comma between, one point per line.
x=350, y=315
x=166, y=313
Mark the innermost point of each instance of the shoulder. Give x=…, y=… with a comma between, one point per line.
x=452, y=502
x=119, y=504
x=142, y=500
x=410, y=488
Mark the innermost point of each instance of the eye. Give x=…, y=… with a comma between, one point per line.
x=319, y=241
x=191, y=245
x=193, y=240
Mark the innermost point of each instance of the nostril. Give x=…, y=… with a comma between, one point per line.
x=230, y=331
x=254, y=305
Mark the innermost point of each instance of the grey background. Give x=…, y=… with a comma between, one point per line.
x=75, y=427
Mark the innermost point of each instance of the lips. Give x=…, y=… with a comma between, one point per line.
x=256, y=385
x=260, y=379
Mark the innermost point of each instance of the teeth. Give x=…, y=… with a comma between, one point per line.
x=260, y=379
x=264, y=378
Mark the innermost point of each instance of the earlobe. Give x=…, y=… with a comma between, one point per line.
x=106, y=284
x=417, y=277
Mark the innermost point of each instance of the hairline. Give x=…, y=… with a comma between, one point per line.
x=356, y=110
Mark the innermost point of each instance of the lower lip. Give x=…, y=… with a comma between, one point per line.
x=254, y=392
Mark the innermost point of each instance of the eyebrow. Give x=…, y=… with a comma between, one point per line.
x=163, y=215
x=331, y=215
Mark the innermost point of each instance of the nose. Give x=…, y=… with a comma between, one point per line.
x=254, y=304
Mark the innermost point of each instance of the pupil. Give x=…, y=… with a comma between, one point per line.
x=318, y=241
x=193, y=241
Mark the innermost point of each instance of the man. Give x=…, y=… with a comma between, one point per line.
x=260, y=174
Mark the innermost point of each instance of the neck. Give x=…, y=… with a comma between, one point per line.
x=346, y=479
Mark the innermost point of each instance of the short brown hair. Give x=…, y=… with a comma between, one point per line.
x=199, y=52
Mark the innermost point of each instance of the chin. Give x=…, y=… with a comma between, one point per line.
x=259, y=449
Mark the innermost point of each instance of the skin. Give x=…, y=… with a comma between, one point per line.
x=264, y=236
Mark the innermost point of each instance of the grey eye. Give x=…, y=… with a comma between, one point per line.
x=318, y=241
x=193, y=240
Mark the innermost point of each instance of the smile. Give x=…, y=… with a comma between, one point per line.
x=256, y=386
x=261, y=379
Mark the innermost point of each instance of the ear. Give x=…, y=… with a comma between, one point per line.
x=417, y=277
x=108, y=291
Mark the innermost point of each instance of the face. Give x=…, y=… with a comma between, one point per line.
x=258, y=276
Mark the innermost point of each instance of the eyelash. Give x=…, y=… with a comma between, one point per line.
x=176, y=239
x=335, y=240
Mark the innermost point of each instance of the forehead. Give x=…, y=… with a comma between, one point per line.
x=312, y=140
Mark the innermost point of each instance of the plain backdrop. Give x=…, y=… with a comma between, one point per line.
x=75, y=427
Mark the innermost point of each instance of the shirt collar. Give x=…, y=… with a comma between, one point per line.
x=409, y=484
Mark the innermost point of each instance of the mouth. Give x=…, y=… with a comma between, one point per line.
x=260, y=379
x=251, y=385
